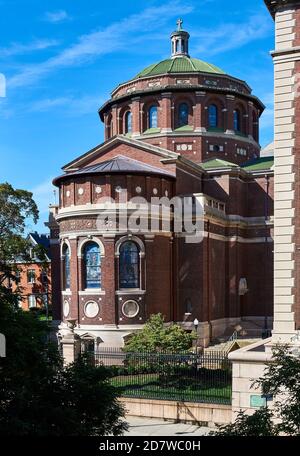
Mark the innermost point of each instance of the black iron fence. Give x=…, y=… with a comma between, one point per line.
x=187, y=377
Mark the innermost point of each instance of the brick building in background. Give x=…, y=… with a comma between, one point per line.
x=181, y=127
x=34, y=277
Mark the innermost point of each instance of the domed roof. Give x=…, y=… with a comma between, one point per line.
x=182, y=64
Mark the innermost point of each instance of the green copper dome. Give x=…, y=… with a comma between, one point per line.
x=182, y=64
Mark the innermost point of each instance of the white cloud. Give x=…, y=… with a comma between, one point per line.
x=21, y=48
x=71, y=105
x=230, y=36
x=56, y=16
x=115, y=37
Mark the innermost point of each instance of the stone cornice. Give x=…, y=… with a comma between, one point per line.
x=275, y=5
x=178, y=88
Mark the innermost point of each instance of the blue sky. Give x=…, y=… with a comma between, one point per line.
x=62, y=58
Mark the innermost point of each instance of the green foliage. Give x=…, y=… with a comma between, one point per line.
x=15, y=207
x=156, y=337
x=257, y=425
x=38, y=395
x=281, y=380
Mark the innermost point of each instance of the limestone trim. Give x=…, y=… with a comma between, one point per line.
x=90, y=239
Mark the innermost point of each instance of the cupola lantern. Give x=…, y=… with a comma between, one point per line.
x=180, y=41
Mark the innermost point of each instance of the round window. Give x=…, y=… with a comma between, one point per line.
x=66, y=308
x=130, y=309
x=91, y=309
x=80, y=191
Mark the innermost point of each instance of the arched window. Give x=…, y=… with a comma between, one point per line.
x=66, y=271
x=183, y=115
x=177, y=45
x=213, y=116
x=129, y=265
x=153, y=117
x=92, y=265
x=128, y=122
x=237, y=120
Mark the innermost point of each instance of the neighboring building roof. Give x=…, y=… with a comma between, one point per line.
x=218, y=163
x=41, y=239
x=179, y=65
x=118, y=164
x=268, y=151
x=259, y=164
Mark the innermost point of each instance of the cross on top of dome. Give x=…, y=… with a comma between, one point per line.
x=179, y=24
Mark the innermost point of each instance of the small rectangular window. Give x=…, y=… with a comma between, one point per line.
x=31, y=301
x=31, y=276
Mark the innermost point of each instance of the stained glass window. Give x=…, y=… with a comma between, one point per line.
x=183, y=118
x=129, y=265
x=66, y=253
x=128, y=122
x=153, y=117
x=213, y=116
x=237, y=120
x=92, y=265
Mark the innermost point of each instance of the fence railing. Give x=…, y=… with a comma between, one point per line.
x=186, y=377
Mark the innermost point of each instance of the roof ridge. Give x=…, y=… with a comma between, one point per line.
x=192, y=63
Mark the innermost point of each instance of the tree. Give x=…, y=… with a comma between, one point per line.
x=38, y=395
x=156, y=336
x=282, y=381
x=16, y=206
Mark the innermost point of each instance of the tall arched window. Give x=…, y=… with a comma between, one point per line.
x=66, y=271
x=213, y=116
x=128, y=122
x=153, y=117
x=183, y=115
x=129, y=265
x=237, y=120
x=92, y=265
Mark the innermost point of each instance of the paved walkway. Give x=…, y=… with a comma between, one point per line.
x=156, y=427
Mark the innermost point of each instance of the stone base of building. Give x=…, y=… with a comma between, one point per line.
x=248, y=365
x=201, y=414
x=113, y=336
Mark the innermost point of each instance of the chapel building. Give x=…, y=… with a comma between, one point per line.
x=181, y=128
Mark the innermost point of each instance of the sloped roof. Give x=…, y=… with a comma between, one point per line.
x=259, y=164
x=119, y=164
x=218, y=163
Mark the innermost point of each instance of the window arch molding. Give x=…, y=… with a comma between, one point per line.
x=82, y=244
x=178, y=104
x=135, y=239
x=65, y=243
x=121, y=119
x=65, y=264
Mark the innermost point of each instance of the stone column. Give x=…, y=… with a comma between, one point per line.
x=286, y=59
x=230, y=99
x=167, y=112
x=199, y=112
x=115, y=121
x=250, y=120
x=136, y=124
x=71, y=346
